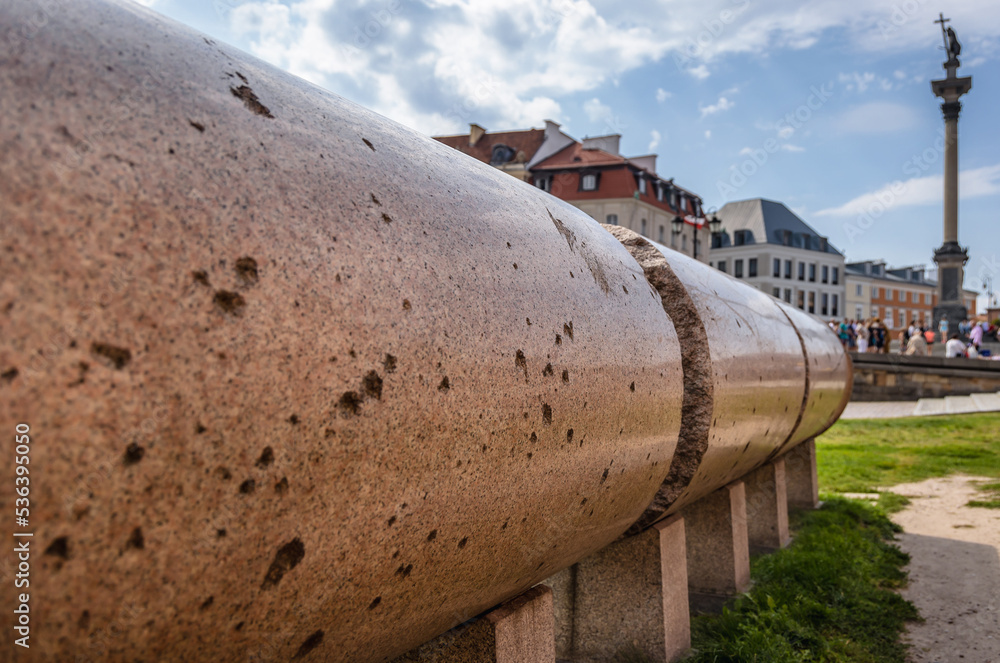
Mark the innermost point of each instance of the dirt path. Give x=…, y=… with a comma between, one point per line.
x=954, y=572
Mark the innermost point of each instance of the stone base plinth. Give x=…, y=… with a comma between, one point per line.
x=631, y=598
x=718, y=556
x=518, y=631
x=801, y=482
x=767, y=508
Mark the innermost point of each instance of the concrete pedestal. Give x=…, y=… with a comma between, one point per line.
x=632, y=597
x=767, y=508
x=718, y=555
x=801, y=482
x=518, y=631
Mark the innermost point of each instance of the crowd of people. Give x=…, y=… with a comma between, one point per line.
x=873, y=336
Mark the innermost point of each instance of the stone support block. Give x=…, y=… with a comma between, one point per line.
x=801, y=482
x=718, y=556
x=632, y=597
x=767, y=508
x=518, y=631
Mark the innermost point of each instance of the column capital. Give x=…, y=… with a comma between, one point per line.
x=951, y=109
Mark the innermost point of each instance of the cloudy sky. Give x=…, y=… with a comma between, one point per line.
x=824, y=105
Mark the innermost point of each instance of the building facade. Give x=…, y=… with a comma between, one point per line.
x=898, y=296
x=765, y=244
x=593, y=176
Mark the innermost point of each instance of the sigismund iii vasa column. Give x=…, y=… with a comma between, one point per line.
x=951, y=256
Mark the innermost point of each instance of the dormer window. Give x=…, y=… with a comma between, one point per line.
x=659, y=193
x=642, y=184
x=588, y=182
x=502, y=154
x=544, y=182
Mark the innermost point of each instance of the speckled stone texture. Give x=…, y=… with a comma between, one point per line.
x=305, y=384
x=718, y=557
x=830, y=376
x=767, y=507
x=632, y=597
x=744, y=374
x=801, y=481
x=519, y=631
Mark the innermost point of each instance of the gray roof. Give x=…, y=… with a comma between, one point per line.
x=767, y=222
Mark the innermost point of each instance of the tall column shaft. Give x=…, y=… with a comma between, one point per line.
x=951, y=180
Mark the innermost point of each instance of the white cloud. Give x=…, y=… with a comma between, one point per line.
x=785, y=132
x=877, y=117
x=723, y=104
x=918, y=191
x=856, y=81
x=708, y=133
x=662, y=95
x=700, y=72
x=596, y=111
x=655, y=140
x=899, y=74
x=418, y=61
x=746, y=151
x=788, y=147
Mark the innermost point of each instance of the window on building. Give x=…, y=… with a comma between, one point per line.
x=913, y=297
x=738, y=268
x=836, y=276
x=642, y=185
x=802, y=271
x=588, y=182
x=874, y=291
x=544, y=182
x=857, y=291
x=812, y=301
x=824, y=302
x=788, y=269
x=741, y=237
x=859, y=312
x=751, y=268
x=660, y=234
x=874, y=312
x=776, y=292
x=722, y=266
x=812, y=272
x=776, y=271
x=642, y=227
x=891, y=294
x=788, y=295
x=611, y=219
x=825, y=274
x=802, y=300
x=835, y=307
x=659, y=193
x=786, y=237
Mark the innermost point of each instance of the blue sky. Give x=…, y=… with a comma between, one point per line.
x=823, y=105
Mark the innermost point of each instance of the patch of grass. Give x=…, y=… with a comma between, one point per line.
x=984, y=504
x=891, y=502
x=992, y=500
x=827, y=599
x=861, y=455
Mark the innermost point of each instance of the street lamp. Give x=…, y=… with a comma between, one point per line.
x=714, y=224
x=677, y=225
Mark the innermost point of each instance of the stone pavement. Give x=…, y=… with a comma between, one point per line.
x=923, y=407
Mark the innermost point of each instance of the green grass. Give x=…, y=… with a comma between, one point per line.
x=865, y=454
x=827, y=599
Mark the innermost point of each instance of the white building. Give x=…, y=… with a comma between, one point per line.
x=765, y=244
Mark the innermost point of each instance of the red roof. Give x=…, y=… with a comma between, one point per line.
x=574, y=156
x=527, y=141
